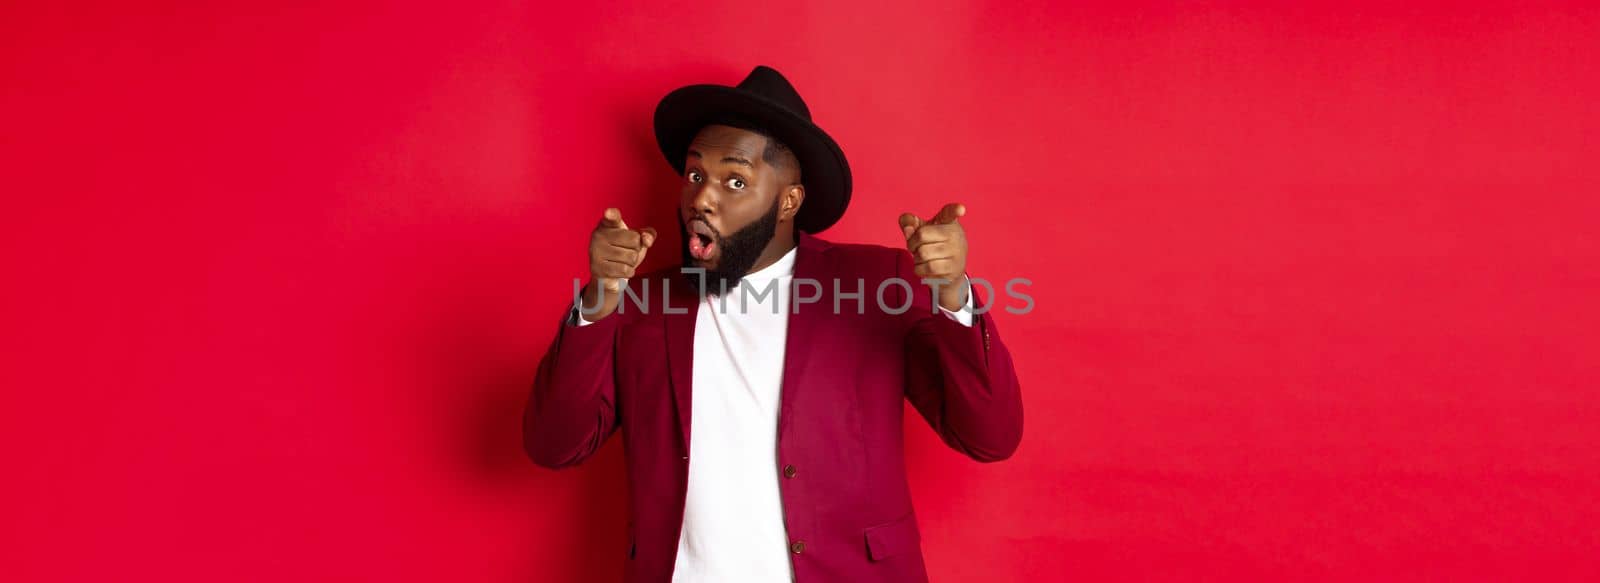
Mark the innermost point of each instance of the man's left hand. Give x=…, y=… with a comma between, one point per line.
x=939, y=248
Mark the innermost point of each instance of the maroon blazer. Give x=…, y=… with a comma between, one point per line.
x=846, y=502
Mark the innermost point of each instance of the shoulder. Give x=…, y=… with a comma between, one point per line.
x=860, y=253
x=664, y=273
x=856, y=260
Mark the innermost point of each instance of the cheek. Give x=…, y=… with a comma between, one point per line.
x=739, y=211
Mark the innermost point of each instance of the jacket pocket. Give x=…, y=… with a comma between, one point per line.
x=894, y=538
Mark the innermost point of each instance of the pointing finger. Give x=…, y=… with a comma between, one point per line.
x=949, y=213
x=647, y=236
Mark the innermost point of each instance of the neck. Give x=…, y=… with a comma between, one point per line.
x=781, y=243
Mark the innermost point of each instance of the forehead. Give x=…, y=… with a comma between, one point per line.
x=717, y=141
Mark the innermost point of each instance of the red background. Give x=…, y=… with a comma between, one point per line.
x=1315, y=286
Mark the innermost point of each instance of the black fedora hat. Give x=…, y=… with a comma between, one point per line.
x=768, y=99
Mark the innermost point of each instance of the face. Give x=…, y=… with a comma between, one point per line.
x=733, y=202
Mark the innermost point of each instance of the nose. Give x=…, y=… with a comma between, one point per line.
x=703, y=198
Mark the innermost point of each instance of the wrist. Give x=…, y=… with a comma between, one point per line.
x=596, y=302
x=953, y=297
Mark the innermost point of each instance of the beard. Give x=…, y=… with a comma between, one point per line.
x=738, y=254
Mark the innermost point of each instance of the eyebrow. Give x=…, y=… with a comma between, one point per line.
x=726, y=159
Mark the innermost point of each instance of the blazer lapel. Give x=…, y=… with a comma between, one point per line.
x=808, y=265
x=680, y=350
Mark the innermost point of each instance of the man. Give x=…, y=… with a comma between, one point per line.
x=759, y=388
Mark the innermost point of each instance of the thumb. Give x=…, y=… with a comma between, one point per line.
x=949, y=213
x=613, y=219
x=647, y=236
x=909, y=223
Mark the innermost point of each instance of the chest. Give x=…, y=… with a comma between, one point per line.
x=740, y=343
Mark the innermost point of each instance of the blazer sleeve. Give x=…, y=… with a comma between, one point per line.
x=960, y=378
x=573, y=406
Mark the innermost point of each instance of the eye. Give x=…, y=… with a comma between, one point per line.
x=695, y=177
x=736, y=183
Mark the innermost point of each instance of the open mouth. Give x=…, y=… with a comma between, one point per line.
x=702, y=240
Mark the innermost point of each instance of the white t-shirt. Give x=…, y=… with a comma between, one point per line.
x=733, y=516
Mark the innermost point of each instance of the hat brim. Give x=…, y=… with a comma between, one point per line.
x=823, y=168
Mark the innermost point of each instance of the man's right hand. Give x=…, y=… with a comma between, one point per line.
x=615, y=251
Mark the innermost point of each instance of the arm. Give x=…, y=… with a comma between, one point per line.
x=573, y=409
x=958, y=373
x=960, y=378
x=573, y=406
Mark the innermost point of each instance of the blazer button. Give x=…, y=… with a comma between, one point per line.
x=798, y=547
x=789, y=471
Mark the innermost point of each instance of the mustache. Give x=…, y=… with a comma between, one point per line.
x=702, y=218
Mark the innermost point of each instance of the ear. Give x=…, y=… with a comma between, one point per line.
x=790, y=201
